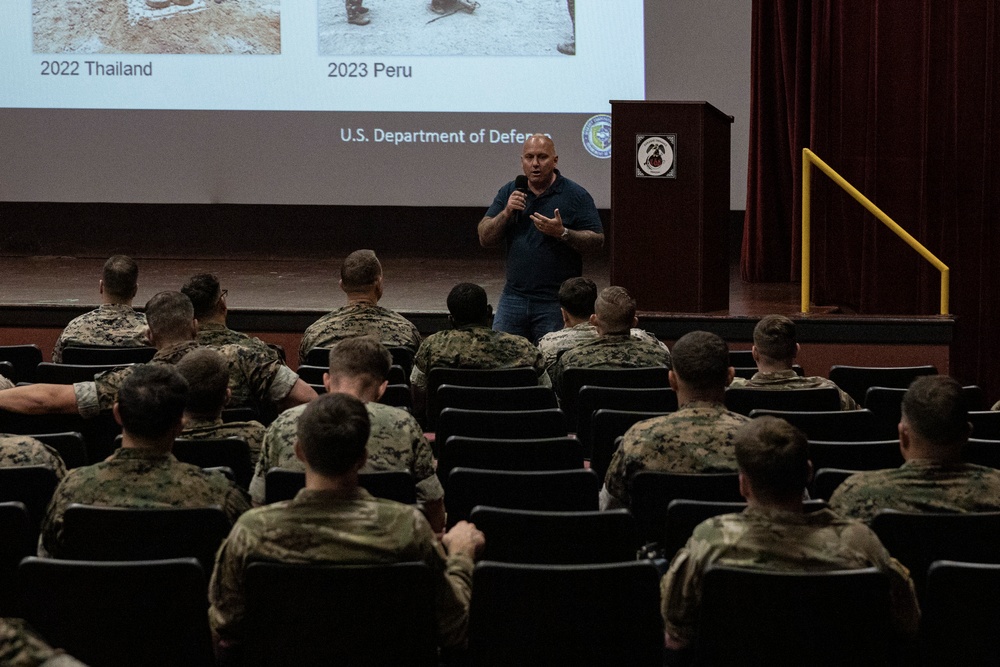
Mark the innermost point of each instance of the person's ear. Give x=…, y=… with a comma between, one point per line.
x=117, y=414
x=745, y=490
x=672, y=379
x=381, y=389
x=326, y=382
x=299, y=453
x=730, y=375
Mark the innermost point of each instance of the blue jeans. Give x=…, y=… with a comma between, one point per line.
x=531, y=318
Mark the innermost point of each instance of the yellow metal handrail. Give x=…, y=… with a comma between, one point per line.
x=808, y=160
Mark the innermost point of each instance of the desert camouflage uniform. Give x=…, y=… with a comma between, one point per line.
x=698, y=438
x=251, y=433
x=5, y=383
x=21, y=647
x=359, y=319
x=110, y=324
x=554, y=343
x=791, y=380
x=614, y=351
x=919, y=485
x=256, y=380
x=775, y=540
x=475, y=346
x=396, y=442
x=138, y=478
x=17, y=451
x=217, y=335
x=337, y=527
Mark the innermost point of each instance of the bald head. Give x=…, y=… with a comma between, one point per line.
x=539, y=160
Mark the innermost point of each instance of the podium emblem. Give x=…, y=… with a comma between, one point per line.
x=655, y=155
x=597, y=135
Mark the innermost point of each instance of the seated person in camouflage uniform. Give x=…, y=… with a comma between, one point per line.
x=17, y=451
x=114, y=322
x=210, y=309
x=774, y=350
x=143, y=472
x=932, y=432
x=334, y=520
x=774, y=533
x=359, y=367
x=21, y=647
x=255, y=382
x=361, y=279
x=698, y=438
x=207, y=374
x=576, y=301
x=614, y=317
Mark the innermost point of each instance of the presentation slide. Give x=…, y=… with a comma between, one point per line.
x=356, y=102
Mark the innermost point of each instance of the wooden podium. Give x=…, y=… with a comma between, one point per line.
x=670, y=204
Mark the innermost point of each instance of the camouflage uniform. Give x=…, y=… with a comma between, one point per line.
x=5, y=383
x=138, y=478
x=21, y=647
x=698, y=438
x=791, y=380
x=110, y=324
x=359, y=319
x=919, y=485
x=254, y=379
x=614, y=351
x=217, y=335
x=554, y=343
x=251, y=432
x=769, y=539
x=21, y=450
x=337, y=527
x=396, y=442
x=475, y=346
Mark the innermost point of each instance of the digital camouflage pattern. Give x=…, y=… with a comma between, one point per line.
x=614, y=351
x=791, y=380
x=212, y=334
x=359, y=319
x=396, y=442
x=138, y=478
x=919, y=485
x=697, y=438
x=256, y=380
x=251, y=432
x=475, y=346
x=21, y=647
x=554, y=343
x=337, y=527
x=769, y=539
x=17, y=451
x=110, y=324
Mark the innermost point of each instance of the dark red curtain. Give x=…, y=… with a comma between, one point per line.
x=902, y=98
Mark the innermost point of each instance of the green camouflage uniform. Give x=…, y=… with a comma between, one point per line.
x=217, y=335
x=138, y=478
x=251, y=433
x=554, y=343
x=614, y=351
x=359, y=319
x=698, y=438
x=475, y=346
x=5, y=383
x=775, y=540
x=256, y=380
x=791, y=380
x=21, y=647
x=109, y=324
x=337, y=527
x=396, y=442
x=21, y=450
x=919, y=485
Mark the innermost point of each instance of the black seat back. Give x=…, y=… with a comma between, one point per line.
x=575, y=378
x=743, y=400
x=231, y=453
x=100, y=355
x=652, y=492
x=398, y=485
x=562, y=453
x=856, y=380
x=834, y=425
x=590, y=399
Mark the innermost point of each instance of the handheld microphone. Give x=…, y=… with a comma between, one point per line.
x=521, y=184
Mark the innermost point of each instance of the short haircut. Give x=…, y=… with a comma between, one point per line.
x=151, y=400
x=935, y=407
x=577, y=297
x=204, y=292
x=467, y=304
x=360, y=269
x=332, y=432
x=121, y=274
x=701, y=360
x=169, y=314
x=615, y=308
x=774, y=455
x=207, y=374
x=774, y=337
x=361, y=356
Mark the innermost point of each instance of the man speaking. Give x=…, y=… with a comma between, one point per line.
x=545, y=222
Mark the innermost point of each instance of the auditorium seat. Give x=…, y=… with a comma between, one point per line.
x=107, y=355
x=24, y=359
x=533, y=397
x=398, y=485
x=401, y=356
x=886, y=402
x=396, y=395
x=561, y=453
x=743, y=400
x=15, y=543
x=961, y=614
x=985, y=424
x=875, y=455
x=99, y=433
x=836, y=425
x=231, y=453
x=608, y=426
x=575, y=378
x=982, y=452
x=525, y=376
x=826, y=480
x=591, y=398
x=31, y=485
x=856, y=380
x=49, y=373
x=71, y=446
x=523, y=424
x=651, y=493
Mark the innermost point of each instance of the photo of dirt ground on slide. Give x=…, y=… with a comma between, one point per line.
x=161, y=26
x=409, y=28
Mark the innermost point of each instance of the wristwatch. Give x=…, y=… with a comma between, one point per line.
x=565, y=235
